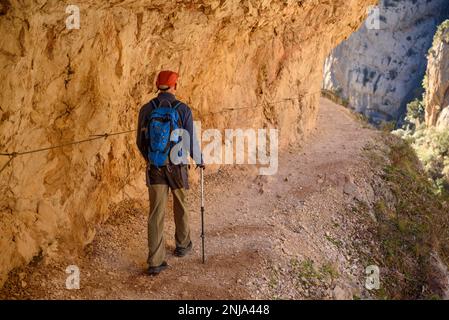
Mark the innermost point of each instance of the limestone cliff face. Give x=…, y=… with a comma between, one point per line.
x=378, y=70
x=436, y=97
x=59, y=85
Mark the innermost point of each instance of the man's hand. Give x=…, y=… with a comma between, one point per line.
x=201, y=166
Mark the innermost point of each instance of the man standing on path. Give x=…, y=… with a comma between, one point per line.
x=157, y=120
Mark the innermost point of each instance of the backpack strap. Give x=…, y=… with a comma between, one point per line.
x=157, y=105
x=170, y=104
x=146, y=119
x=178, y=103
x=154, y=103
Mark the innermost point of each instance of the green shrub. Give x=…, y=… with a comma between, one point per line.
x=432, y=147
x=415, y=112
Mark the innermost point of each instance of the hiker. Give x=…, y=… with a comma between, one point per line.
x=161, y=173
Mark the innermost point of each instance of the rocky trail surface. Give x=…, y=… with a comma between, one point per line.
x=294, y=235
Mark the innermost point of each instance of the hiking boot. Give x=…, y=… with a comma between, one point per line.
x=154, y=271
x=181, y=252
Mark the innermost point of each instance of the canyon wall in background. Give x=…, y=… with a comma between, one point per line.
x=436, y=98
x=378, y=71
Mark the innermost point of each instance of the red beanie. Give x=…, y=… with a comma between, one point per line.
x=166, y=79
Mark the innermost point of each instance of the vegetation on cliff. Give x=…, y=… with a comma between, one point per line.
x=430, y=142
x=412, y=225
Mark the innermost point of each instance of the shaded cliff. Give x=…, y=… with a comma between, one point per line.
x=379, y=68
x=60, y=85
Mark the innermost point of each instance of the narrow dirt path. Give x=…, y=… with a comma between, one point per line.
x=292, y=235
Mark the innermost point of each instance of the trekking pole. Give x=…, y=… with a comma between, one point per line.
x=202, y=215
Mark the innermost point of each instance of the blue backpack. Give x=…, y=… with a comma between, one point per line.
x=160, y=125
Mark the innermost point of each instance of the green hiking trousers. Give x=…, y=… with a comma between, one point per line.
x=160, y=181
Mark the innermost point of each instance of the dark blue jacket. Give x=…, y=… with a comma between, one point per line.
x=184, y=112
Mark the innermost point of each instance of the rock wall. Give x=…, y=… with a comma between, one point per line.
x=378, y=70
x=59, y=85
x=436, y=98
